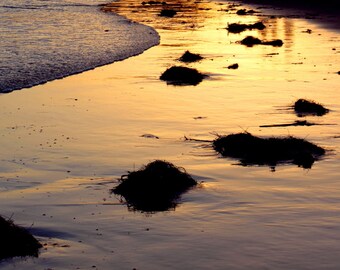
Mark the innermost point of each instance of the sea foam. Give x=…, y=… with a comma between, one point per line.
x=46, y=40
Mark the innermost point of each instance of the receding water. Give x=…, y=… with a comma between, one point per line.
x=46, y=40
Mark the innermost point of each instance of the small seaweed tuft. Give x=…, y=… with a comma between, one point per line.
x=243, y=12
x=155, y=187
x=189, y=57
x=250, y=41
x=240, y=27
x=233, y=66
x=168, y=13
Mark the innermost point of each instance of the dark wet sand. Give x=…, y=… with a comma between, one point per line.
x=323, y=12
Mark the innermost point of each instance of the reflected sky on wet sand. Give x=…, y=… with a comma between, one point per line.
x=67, y=142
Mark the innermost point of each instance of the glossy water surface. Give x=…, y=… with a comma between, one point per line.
x=65, y=143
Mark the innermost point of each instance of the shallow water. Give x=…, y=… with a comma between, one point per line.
x=46, y=40
x=65, y=143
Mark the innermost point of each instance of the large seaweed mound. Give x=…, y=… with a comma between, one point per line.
x=177, y=75
x=252, y=150
x=16, y=241
x=303, y=107
x=155, y=187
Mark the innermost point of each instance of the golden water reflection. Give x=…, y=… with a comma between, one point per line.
x=242, y=217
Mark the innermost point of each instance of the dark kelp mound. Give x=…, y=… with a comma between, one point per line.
x=250, y=41
x=251, y=150
x=233, y=66
x=182, y=76
x=155, y=187
x=16, y=241
x=275, y=42
x=240, y=27
x=151, y=3
x=303, y=107
x=189, y=57
x=243, y=11
x=168, y=13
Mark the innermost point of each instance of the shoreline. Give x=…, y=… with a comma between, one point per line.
x=51, y=52
x=328, y=18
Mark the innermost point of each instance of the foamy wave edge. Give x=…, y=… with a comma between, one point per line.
x=153, y=40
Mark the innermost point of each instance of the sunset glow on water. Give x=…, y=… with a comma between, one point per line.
x=65, y=144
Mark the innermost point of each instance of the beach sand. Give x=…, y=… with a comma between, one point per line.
x=65, y=144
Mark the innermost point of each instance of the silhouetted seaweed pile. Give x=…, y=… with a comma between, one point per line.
x=168, y=13
x=303, y=107
x=233, y=66
x=252, y=150
x=243, y=11
x=240, y=27
x=153, y=3
x=182, y=76
x=250, y=41
x=155, y=187
x=16, y=241
x=189, y=57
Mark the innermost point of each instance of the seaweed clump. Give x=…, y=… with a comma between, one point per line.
x=155, y=187
x=153, y=3
x=233, y=66
x=243, y=11
x=182, y=76
x=168, y=13
x=240, y=27
x=275, y=42
x=189, y=57
x=252, y=150
x=303, y=107
x=16, y=241
x=250, y=41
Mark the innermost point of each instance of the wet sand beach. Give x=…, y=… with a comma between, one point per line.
x=66, y=143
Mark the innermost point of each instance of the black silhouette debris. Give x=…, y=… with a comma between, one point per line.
x=244, y=11
x=168, y=13
x=155, y=187
x=295, y=123
x=252, y=150
x=178, y=75
x=233, y=66
x=250, y=41
x=303, y=107
x=16, y=241
x=240, y=27
x=188, y=57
